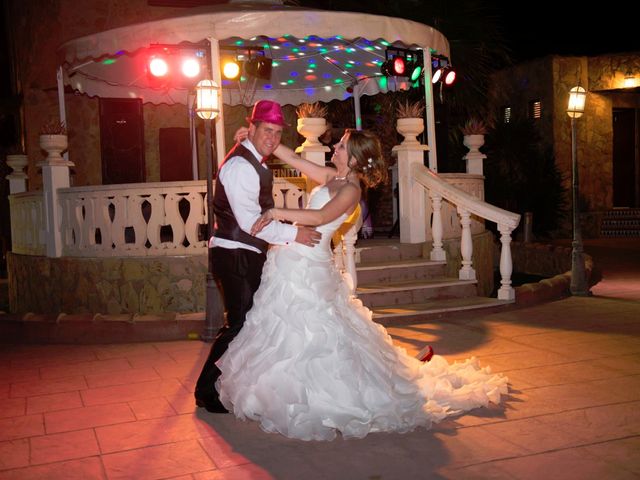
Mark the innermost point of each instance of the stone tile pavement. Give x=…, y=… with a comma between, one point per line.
x=125, y=411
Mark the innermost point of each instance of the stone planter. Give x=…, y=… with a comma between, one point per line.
x=410, y=128
x=17, y=163
x=311, y=128
x=474, y=157
x=54, y=145
x=17, y=179
x=473, y=142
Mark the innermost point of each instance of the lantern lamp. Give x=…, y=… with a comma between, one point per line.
x=579, y=285
x=207, y=99
x=577, y=98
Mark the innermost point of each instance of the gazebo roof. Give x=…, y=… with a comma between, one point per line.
x=317, y=55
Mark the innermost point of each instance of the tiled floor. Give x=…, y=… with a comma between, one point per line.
x=127, y=412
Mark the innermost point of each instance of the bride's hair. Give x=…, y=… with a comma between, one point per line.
x=366, y=149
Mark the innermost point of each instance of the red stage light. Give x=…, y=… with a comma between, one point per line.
x=399, y=66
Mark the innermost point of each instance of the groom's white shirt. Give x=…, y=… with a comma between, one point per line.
x=242, y=186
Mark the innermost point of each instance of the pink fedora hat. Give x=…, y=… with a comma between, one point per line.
x=268, y=111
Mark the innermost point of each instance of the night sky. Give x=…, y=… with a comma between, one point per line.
x=536, y=29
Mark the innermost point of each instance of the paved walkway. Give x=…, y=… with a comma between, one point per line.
x=126, y=411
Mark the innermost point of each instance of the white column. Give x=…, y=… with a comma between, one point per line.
x=356, y=105
x=55, y=175
x=314, y=153
x=62, y=111
x=216, y=76
x=17, y=178
x=411, y=194
x=429, y=109
x=394, y=182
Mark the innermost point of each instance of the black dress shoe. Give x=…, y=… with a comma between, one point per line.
x=211, y=404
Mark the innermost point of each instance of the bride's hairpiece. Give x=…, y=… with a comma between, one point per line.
x=368, y=165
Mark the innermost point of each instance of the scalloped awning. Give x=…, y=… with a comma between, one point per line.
x=317, y=54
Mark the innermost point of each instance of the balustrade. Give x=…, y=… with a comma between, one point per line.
x=146, y=219
x=170, y=218
x=28, y=236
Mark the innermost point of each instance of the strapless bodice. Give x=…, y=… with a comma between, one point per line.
x=318, y=198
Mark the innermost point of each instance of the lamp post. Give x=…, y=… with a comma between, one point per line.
x=207, y=109
x=575, y=109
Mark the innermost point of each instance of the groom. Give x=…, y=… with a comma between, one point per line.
x=243, y=192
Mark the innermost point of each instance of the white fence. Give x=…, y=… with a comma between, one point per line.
x=145, y=219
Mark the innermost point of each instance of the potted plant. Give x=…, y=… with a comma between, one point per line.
x=475, y=126
x=473, y=132
x=53, y=139
x=410, y=123
x=311, y=122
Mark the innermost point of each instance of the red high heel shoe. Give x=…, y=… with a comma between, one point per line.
x=425, y=354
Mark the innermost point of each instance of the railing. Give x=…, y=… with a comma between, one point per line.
x=466, y=206
x=27, y=223
x=146, y=219
x=155, y=219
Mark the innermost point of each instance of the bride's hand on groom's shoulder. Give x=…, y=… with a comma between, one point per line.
x=264, y=220
x=241, y=134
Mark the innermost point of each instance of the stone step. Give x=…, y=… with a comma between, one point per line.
x=398, y=314
x=401, y=270
x=386, y=250
x=408, y=292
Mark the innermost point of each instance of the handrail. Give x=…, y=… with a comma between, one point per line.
x=430, y=180
x=467, y=205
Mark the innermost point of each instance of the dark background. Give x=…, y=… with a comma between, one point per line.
x=535, y=29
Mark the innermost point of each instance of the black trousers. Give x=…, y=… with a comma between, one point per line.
x=238, y=273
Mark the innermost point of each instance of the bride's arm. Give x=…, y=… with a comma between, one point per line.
x=314, y=171
x=344, y=201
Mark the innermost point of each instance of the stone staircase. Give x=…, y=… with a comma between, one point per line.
x=398, y=284
x=621, y=222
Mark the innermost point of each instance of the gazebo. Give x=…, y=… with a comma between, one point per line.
x=135, y=249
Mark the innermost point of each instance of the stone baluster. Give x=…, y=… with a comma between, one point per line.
x=437, y=252
x=17, y=178
x=506, y=291
x=466, y=246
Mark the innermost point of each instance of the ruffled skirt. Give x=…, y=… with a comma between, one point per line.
x=309, y=362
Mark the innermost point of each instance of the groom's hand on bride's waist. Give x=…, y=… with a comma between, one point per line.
x=308, y=236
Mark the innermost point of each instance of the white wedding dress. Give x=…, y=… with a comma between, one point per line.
x=310, y=362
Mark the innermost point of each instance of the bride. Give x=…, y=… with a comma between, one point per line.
x=309, y=361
